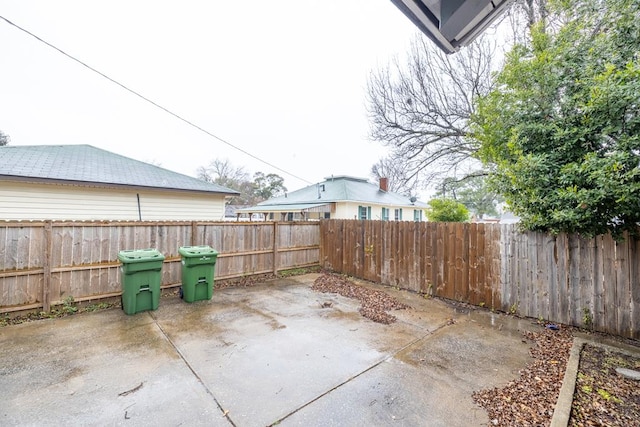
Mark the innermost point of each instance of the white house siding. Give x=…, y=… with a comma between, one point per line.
x=27, y=201
x=349, y=210
x=345, y=210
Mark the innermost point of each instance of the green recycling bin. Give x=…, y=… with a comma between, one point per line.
x=198, y=265
x=141, y=274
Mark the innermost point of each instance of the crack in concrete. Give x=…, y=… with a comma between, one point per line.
x=353, y=377
x=225, y=413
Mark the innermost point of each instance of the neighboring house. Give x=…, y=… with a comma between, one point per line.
x=231, y=214
x=81, y=182
x=341, y=197
x=509, y=218
x=484, y=220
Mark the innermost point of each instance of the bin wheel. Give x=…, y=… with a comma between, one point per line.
x=181, y=293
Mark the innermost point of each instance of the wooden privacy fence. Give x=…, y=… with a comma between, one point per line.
x=42, y=263
x=592, y=283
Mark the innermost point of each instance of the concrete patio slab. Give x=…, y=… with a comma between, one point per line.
x=103, y=368
x=276, y=353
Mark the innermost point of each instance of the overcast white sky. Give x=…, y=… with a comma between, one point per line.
x=284, y=80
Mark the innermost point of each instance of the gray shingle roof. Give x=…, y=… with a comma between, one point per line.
x=341, y=189
x=88, y=164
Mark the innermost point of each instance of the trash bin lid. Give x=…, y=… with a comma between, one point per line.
x=139, y=255
x=197, y=251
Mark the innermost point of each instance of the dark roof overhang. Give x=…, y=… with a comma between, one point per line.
x=452, y=24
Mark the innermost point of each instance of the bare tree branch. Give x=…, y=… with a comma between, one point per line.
x=221, y=172
x=420, y=108
x=4, y=138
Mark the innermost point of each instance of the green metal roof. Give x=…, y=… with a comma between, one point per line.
x=87, y=164
x=335, y=189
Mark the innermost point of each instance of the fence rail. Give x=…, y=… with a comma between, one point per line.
x=42, y=263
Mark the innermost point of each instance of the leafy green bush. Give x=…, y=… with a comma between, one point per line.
x=561, y=131
x=447, y=210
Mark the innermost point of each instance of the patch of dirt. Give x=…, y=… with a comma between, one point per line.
x=68, y=308
x=375, y=303
x=531, y=399
x=602, y=396
x=244, y=282
x=259, y=279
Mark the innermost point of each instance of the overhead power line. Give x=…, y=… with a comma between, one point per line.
x=155, y=104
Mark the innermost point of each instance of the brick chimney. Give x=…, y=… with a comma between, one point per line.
x=384, y=184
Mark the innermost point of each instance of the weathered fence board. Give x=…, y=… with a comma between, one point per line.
x=623, y=291
x=634, y=274
x=609, y=273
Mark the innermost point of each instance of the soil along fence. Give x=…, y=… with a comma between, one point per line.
x=42, y=263
x=591, y=283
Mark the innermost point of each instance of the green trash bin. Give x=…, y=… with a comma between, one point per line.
x=198, y=265
x=141, y=274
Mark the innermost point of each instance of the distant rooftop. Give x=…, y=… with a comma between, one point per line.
x=340, y=188
x=88, y=164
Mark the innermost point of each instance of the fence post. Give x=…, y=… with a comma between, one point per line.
x=194, y=231
x=275, y=248
x=46, y=267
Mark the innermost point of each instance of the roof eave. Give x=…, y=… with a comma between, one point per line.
x=425, y=24
x=32, y=179
x=420, y=15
